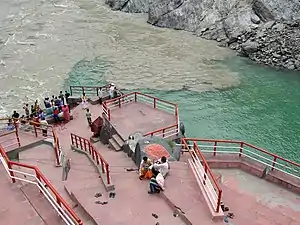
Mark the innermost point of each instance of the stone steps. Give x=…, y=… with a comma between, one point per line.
x=116, y=143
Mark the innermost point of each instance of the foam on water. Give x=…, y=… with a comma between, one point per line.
x=42, y=41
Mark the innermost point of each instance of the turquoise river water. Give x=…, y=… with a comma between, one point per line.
x=263, y=110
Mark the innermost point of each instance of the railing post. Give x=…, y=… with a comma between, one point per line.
x=154, y=103
x=274, y=162
x=93, y=153
x=10, y=172
x=84, y=142
x=81, y=147
x=205, y=172
x=82, y=90
x=97, y=91
x=34, y=126
x=71, y=93
x=76, y=141
x=135, y=97
x=215, y=148
x=58, y=201
x=72, y=141
x=102, y=165
x=219, y=201
x=90, y=149
x=97, y=158
x=38, y=177
x=17, y=133
x=119, y=101
x=194, y=145
x=163, y=132
x=241, y=149
x=107, y=174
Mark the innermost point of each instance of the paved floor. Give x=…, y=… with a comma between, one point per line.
x=252, y=200
x=140, y=117
x=14, y=207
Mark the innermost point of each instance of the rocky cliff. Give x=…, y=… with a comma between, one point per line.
x=266, y=31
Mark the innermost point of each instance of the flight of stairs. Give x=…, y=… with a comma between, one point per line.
x=116, y=143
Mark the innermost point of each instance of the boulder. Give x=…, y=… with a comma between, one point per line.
x=256, y=28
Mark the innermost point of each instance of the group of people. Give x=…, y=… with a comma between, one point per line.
x=56, y=107
x=156, y=172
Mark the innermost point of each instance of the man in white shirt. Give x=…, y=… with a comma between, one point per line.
x=162, y=166
x=111, y=90
x=44, y=126
x=157, y=182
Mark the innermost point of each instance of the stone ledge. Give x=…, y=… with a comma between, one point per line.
x=256, y=169
x=108, y=187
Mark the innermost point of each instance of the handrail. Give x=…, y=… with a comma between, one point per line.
x=214, y=193
x=163, y=132
x=37, y=127
x=111, y=104
x=86, y=89
x=86, y=146
x=265, y=157
x=59, y=204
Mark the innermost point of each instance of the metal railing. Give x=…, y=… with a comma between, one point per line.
x=86, y=146
x=243, y=149
x=88, y=90
x=156, y=103
x=45, y=187
x=35, y=128
x=205, y=175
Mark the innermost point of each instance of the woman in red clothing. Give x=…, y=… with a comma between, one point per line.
x=65, y=109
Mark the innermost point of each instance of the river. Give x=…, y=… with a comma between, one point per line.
x=47, y=45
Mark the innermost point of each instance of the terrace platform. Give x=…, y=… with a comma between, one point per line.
x=137, y=112
x=140, y=117
x=253, y=200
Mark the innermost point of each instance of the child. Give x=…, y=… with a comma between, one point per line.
x=83, y=101
x=88, y=116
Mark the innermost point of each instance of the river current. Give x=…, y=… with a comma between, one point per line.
x=47, y=45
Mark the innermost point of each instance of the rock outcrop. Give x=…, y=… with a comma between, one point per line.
x=266, y=31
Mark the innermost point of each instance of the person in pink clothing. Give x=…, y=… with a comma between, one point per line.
x=66, y=112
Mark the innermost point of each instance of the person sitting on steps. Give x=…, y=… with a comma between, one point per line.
x=145, y=172
x=157, y=182
x=162, y=166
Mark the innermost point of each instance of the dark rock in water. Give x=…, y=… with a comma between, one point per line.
x=266, y=31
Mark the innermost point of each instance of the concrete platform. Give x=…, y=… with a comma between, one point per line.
x=253, y=201
x=140, y=117
x=258, y=202
x=15, y=207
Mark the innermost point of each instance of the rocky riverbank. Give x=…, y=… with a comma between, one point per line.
x=266, y=31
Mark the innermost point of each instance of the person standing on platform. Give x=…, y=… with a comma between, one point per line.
x=100, y=95
x=61, y=96
x=89, y=116
x=111, y=90
x=83, y=101
x=44, y=126
x=66, y=169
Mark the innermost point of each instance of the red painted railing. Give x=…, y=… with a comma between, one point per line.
x=60, y=205
x=88, y=90
x=243, y=149
x=156, y=103
x=204, y=173
x=86, y=146
x=35, y=127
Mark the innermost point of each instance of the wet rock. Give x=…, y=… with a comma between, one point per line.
x=266, y=31
x=255, y=19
